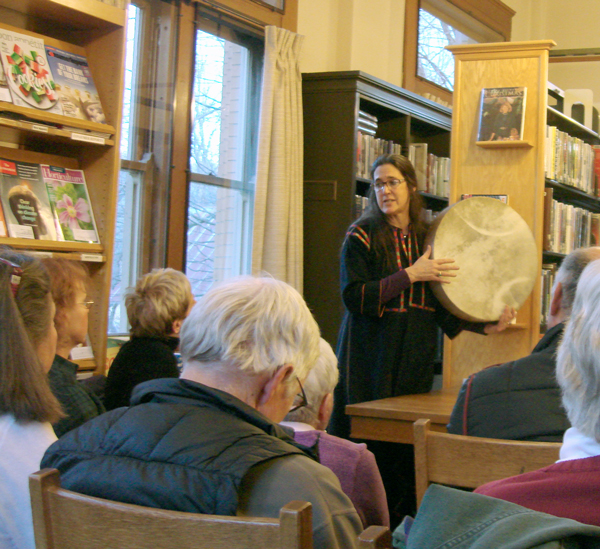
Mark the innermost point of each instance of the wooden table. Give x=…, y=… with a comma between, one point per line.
x=391, y=419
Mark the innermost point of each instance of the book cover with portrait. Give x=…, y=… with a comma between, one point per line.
x=68, y=195
x=25, y=201
x=501, y=114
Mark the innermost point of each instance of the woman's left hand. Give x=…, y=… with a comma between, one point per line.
x=507, y=316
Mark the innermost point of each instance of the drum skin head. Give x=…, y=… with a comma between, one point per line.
x=496, y=252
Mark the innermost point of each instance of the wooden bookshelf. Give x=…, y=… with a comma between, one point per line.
x=331, y=103
x=99, y=30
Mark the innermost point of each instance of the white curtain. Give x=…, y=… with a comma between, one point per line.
x=277, y=236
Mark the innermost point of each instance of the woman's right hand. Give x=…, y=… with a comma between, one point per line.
x=434, y=270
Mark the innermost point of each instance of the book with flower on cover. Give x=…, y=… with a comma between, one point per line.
x=71, y=204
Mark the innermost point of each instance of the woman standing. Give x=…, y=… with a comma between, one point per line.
x=387, y=341
x=27, y=406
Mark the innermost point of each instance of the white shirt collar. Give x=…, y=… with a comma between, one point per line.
x=297, y=426
x=576, y=445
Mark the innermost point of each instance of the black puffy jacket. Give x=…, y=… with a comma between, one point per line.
x=180, y=446
x=518, y=400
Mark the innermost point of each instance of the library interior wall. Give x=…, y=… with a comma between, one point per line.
x=342, y=35
x=368, y=35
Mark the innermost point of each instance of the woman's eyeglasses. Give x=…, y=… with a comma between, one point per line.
x=392, y=184
x=87, y=304
x=301, y=397
x=15, y=275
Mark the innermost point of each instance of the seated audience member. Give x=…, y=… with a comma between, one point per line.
x=352, y=463
x=27, y=405
x=570, y=487
x=69, y=291
x=520, y=400
x=156, y=308
x=209, y=442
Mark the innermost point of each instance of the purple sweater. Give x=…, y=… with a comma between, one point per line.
x=569, y=489
x=357, y=471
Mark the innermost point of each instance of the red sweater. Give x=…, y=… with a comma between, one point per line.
x=569, y=489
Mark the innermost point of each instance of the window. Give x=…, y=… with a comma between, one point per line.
x=227, y=68
x=434, y=62
x=431, y=25
x=127, y=230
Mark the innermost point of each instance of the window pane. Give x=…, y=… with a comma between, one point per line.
x=222, y=145
x=278, y=4
x=131, y=55
x=434, y=63
x=125, y=251
x=217, y=235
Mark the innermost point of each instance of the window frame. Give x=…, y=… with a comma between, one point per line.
x=492, y=13
x=252, y=16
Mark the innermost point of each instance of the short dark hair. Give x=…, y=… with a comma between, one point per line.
x=570, y=271
x=24, y=322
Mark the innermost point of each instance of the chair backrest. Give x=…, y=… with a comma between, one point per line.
x=375, y=537
x=469, y=462
x=67, y=520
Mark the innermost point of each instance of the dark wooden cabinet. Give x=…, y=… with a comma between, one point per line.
x=331, y=103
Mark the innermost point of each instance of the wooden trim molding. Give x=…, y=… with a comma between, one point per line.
x=259, y=14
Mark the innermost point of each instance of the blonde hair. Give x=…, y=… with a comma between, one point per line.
x=159, y=299
x=25, y=320
x=255, y=324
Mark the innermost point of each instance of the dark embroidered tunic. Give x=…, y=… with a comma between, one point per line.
x=387, y=341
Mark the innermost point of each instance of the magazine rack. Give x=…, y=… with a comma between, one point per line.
x=100, y=30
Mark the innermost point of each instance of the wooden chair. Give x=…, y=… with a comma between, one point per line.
x=66, y=520
x=469, y=462
x=375, y=537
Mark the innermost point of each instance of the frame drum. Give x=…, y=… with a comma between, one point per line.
x=496, y=252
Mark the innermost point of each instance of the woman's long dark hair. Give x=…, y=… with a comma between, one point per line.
x=382, y=236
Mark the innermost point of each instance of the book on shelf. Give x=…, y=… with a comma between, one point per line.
x=417, y=155
x=368, y=148
x=27, y=72
x=70, y=201
x=570, y=161
x=569, y=227
x=501, y=114
x=74, y=85
x=2, y=222
x=25, y=201
x=547, y=230
x=547, y=283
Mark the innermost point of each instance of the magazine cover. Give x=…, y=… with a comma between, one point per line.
x=25, y=201
x=68, y=194
x=2, y=223
x=26, y=67
x=4, y=91
x=502, y=113
x=74, y=85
